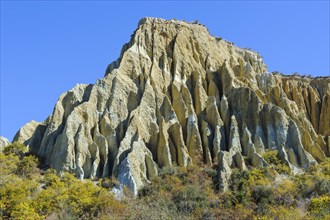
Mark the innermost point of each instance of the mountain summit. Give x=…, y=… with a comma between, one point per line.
x=179, y=96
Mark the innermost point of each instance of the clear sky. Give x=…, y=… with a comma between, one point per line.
x=47, y=47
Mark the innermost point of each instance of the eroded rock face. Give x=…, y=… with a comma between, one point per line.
x=178, y=96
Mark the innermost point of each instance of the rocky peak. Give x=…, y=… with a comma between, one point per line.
x=3, y=142
x=179, y=96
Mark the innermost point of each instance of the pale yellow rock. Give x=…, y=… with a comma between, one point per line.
x=324, y=126
x=200, y=97
x=231, y=158
x=137, y=169
x=177, y=96
x=25, y=133
x=163, y=150
x=207, y=140
x=179, y=106
x=3, y=142
x=194, y=142
x=175, y=134
x=213, y=91
x=225, y=114
x=225, y=162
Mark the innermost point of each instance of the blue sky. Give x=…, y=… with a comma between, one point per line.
x=49, y=46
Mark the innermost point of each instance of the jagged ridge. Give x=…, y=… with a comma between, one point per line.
x=177, y=95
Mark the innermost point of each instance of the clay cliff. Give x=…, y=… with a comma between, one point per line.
x=179, y=96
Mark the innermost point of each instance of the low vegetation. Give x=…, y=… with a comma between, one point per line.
x=177, y=193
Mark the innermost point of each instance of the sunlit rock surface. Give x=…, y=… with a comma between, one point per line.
x=179, y=96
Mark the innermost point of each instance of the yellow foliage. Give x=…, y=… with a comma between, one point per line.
x=24, y=211
x=285, y=192
x=271, y=158
x=50, y=200
x=320, y=207
x=282, y=212
x=261, y=177
x=8, y=164
x=27, y=166
x=177, y=193
x=14, y=191
x=15, y=148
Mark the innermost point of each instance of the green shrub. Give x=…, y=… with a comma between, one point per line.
x=50, y=200
x=320, y=207
x=15, y=148
x=285, y=193
x=322, y=186
x=24, y=211
x=262, y=196
x=189, y=198
x=239, y=185
x=27, y=166
x=13, y=193
x=271, y=158
x=8, y=164
x=177, y=193
x=167, y=171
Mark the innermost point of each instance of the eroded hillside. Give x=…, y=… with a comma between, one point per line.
x=179, y=96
